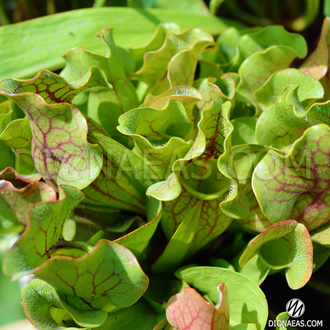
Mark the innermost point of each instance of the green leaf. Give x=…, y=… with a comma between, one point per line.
x=42, y=234
x=53, y=88
x=210, y=91
x=64, y=31
x=274, y=127
x=114, y=65
x=156, y=126
x=60, y=149
x=321, y=255
x=19, y=199
x=321, y=235
x=8, y=159
x=244, y=131
x=270, y=131
x=107, y=277
x=294, y=185
x=181, y=242
x=246, y=301
x=209, y=175
x=207, y=224
x=291, y=111
x=309, y=87
x=257, y=68
x=137, y=240
x=187, y=95
x=316, y=64
x=287, y=234
x=174, y=64
x=226, y=51
x=249, y=326
x=154, y=43
x=15, y=133
x=282, y=317
x=43, y=307
x=191, y=6
x=123, y=178
x=19, y=193
x=187, y=310
x=254, y=269
x=158, y=134
x=140, y=316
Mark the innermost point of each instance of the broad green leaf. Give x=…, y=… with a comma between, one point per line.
x=270, y=131
x=210, y=221
x=298, y=260
x=226, y=51
x=140, y=316
x=191, y=6
x=291, y=112
x=212, y=83
x=309, y=87
x=248, y=326
x=301, y=268
x=321, y=254
x=256, y=69
x=259, y=39
x=282, y=317
x=16, y=198
x=158, y=134
x=209, y=90
x=104, y=107
x=181, y=242
x=8, y=156
x=244, y=131
x=138, y=240
x=15, y=133
x=154, y=43
x=188, y=310
x=55, y=89
x=223, y=263
x=174, y=64
x=108, y=276
x=42, y=307
x=254, y=269
x=61, y=152
x=316, y=64
x=295, y=185
x=156, y=126
x=246, y=157
x=42, y=234
x=247, y=302
x=123, y=179
x=209, y=175
x=277, y=126
x=234, y=46
x=321, y=235
x=186, y=95
x=54, y=35
x=19, y=199
x=256, y=220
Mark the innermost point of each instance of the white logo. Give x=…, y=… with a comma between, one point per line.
x=295, y=307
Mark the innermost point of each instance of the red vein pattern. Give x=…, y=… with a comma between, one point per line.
x=188, y=310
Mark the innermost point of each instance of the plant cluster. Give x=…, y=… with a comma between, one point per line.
x=137, y=176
